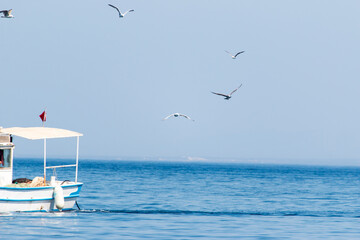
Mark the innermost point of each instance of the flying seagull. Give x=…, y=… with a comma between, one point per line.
x=234, y=56
x=121, y=14
x=227, y=97
x=178, y=115
x=7, y=13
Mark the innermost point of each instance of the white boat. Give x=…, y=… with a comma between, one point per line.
x=54, y=195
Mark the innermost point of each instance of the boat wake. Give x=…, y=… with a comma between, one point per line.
x=225, y=213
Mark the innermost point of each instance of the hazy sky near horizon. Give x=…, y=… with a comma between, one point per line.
x=115, y=79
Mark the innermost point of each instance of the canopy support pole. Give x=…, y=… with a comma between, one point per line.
x=77, y=159
x=44, y=161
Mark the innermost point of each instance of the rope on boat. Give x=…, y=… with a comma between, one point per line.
x=64, y=182
x=77, y=205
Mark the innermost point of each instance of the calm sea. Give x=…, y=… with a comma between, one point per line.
x=156, y=200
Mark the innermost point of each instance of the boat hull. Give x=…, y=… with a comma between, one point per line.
x=13, y=199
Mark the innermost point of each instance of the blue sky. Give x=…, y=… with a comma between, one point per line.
x=115, y=79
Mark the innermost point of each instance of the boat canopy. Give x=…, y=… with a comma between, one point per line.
x=35, y=133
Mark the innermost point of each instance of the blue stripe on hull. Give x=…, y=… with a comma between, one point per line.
x=40, y=199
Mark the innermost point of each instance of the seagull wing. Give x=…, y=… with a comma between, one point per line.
x=131, y=10
x=220, y=94
x=229, y=53
x=115, y=8
x=168, y=116
x=185, y=116
x=235, y=90
x=239, y=53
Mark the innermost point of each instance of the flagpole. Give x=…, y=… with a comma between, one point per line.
x=43, y=118
x=44, y=156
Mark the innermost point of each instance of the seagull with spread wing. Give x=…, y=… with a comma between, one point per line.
x=121, y=15
x=227, y=96
x=234, y=56
x=7, y=13
x=178, y=115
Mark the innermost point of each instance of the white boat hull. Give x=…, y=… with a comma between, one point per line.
x=13, y=199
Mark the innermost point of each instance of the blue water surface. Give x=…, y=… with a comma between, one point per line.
x=157, y=200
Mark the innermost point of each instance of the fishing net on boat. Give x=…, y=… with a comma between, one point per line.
x=18, y=185
x=37, y=182
x=24, y=182
x=21, y=180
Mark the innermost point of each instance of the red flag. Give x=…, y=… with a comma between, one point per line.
x=43, y=116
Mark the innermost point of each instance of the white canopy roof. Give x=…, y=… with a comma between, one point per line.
x=34, y=133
